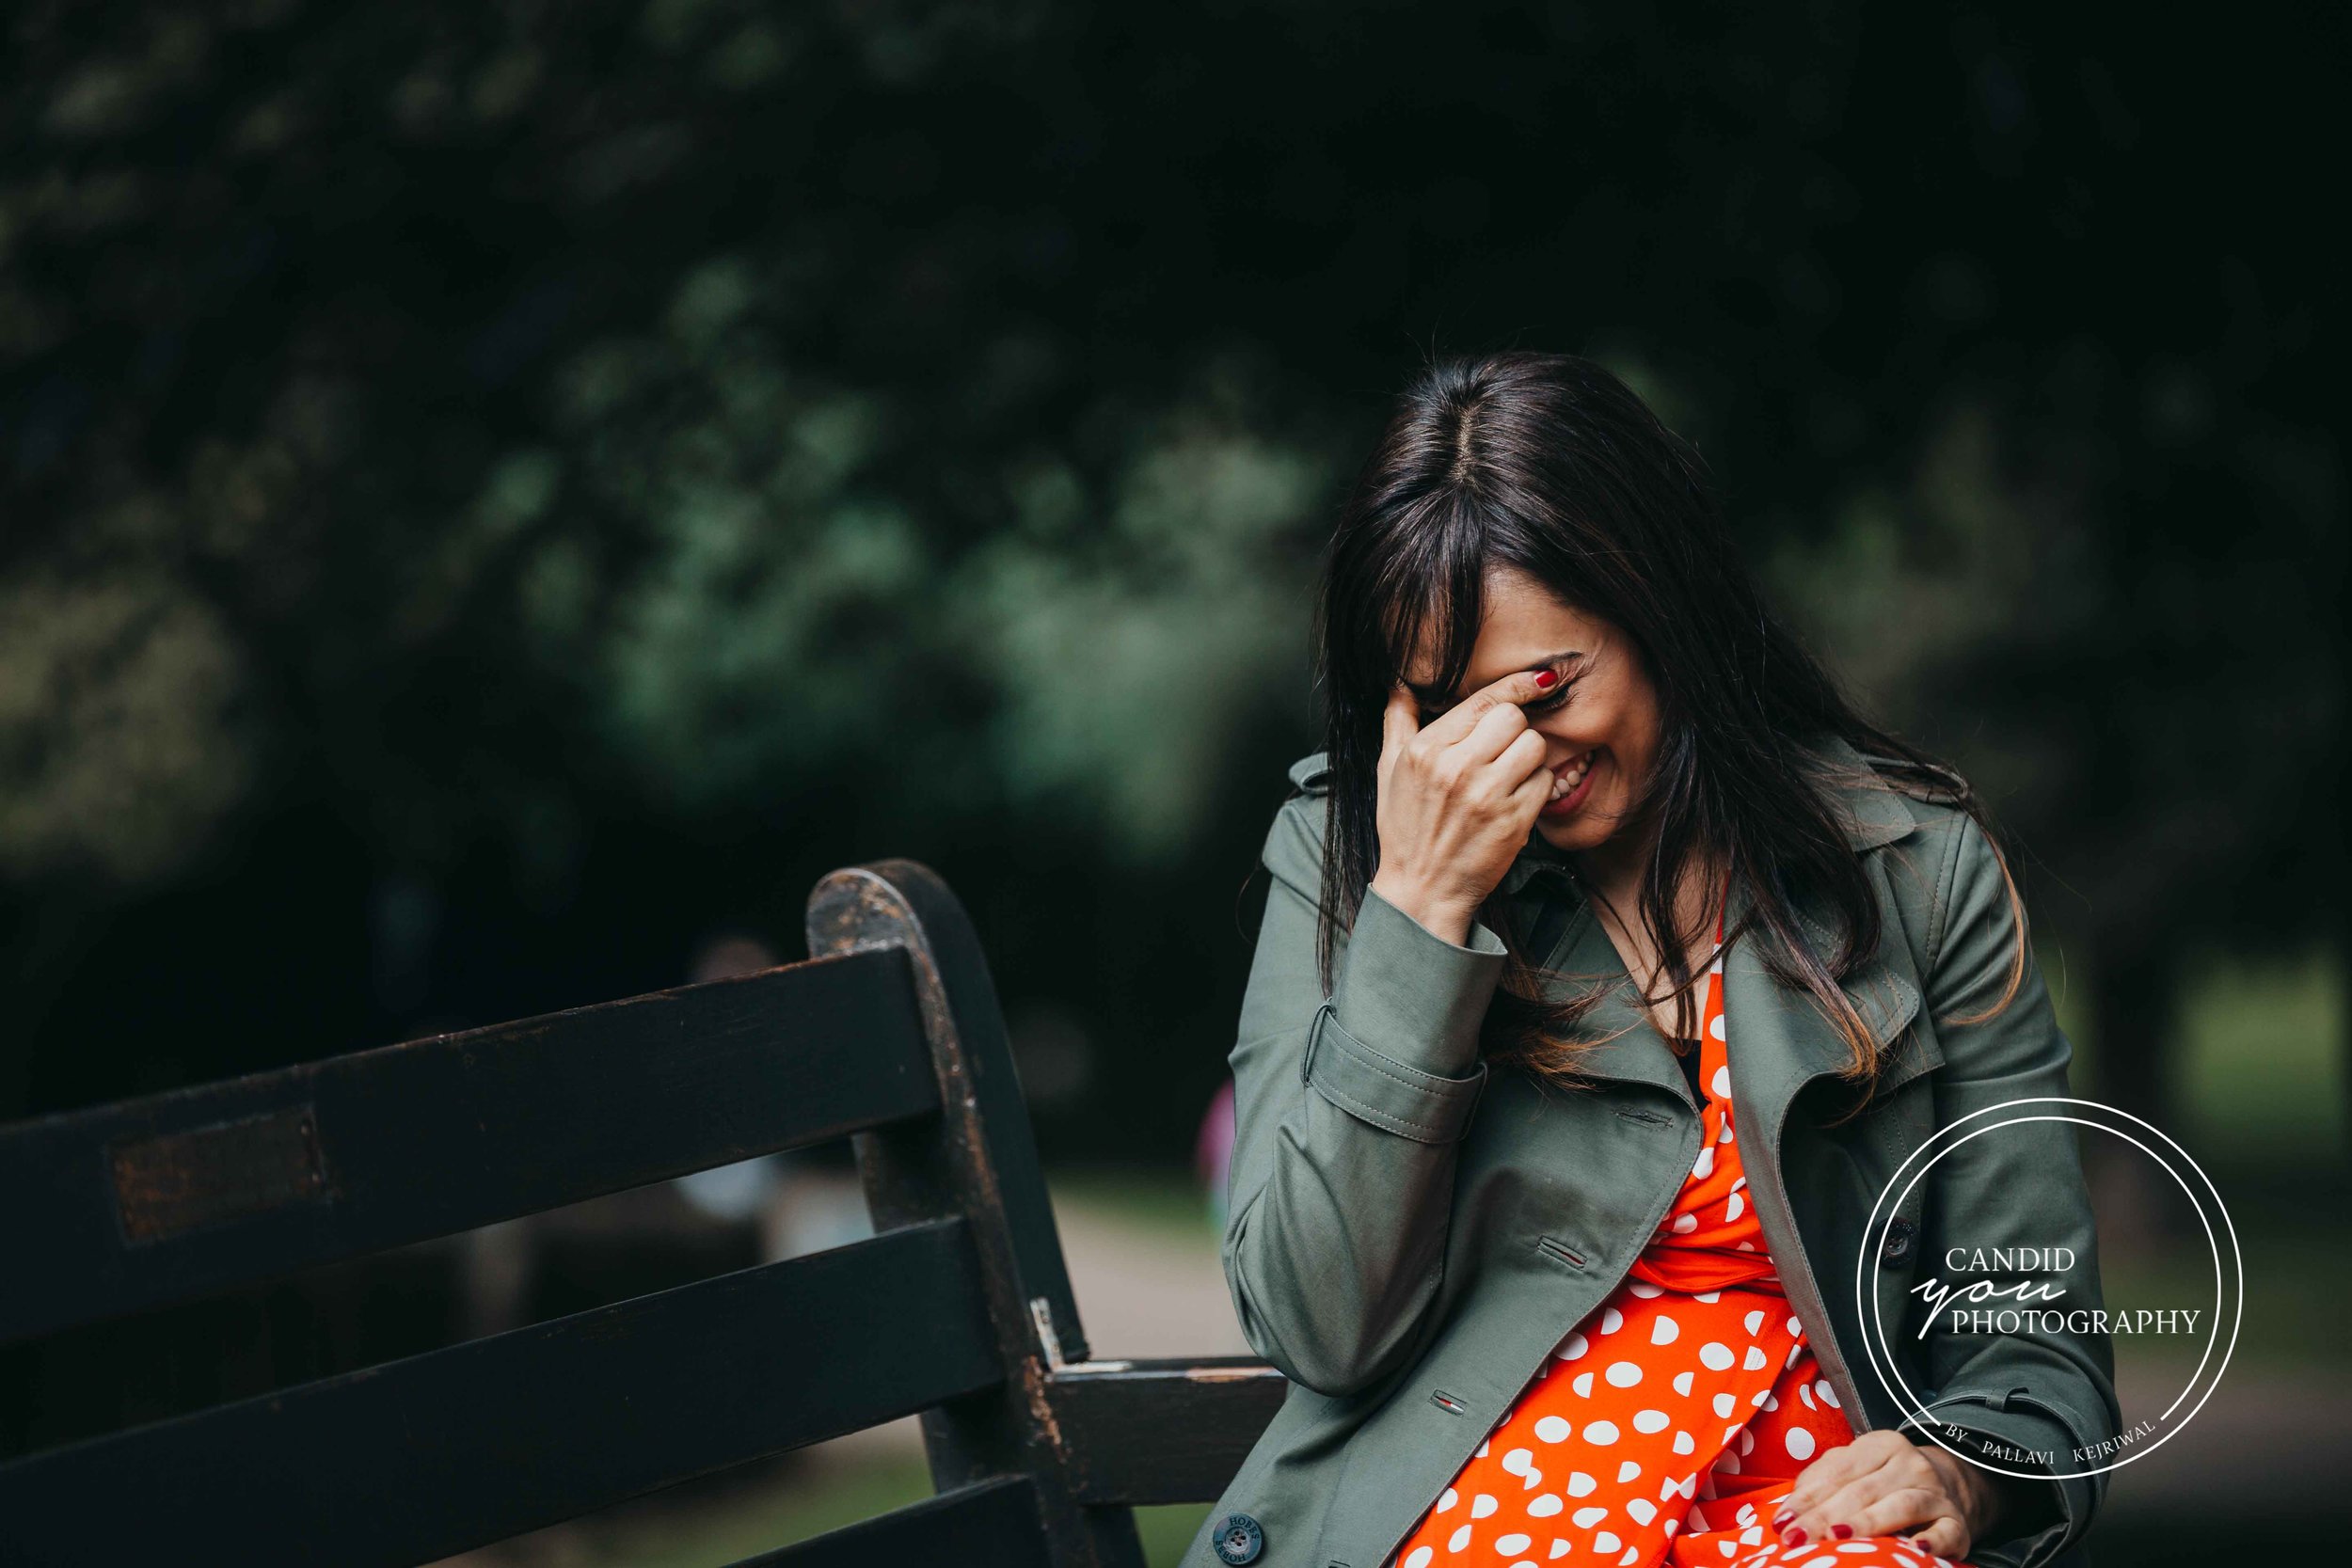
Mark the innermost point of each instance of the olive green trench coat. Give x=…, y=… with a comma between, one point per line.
x=1411, y=1233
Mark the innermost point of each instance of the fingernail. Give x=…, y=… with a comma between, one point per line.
x=1797, y=1538
x=1544, y=678
x=1780, y=1520
x=1842, y=1531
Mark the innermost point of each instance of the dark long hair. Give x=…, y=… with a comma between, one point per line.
x=1547, y=464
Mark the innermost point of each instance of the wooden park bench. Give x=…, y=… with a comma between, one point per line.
x=959, y=1307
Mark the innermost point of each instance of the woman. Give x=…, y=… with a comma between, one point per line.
x=1610, y=966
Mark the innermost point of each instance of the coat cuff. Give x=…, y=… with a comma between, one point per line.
x=1409, y=994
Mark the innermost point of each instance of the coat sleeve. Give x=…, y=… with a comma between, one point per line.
x=2046, y=1389
x=1348, y=1114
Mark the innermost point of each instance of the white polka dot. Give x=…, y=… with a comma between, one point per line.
x=1644, y=1289
x=1605, y=1542
x=1682, y=1382
x=1756, y=1359
x=1511, y=1545
x=1706, y=1167
x=1458, y=1540
x=1483, y=1505
x=1643, y=1509
x=1715, y=1026
x=1685, y=1224
x=1517, y=1462
x=1600, y=1434
x=1551, y=1429
x=1649, y=1421
x=1628, y=1471
x=1586, y=1519
x=1724, y=1403
x=1545, y=1507
x=1829, y=1395
x=1715, y=1356
x=1558, y=1548
x=1446, y=1499
x=1663, y=1331
x=1583, y=1383
x=1632, y=1556
x=1580, y=1484
x=1421, y=1558
x=1794, y=1326
x=1683, y=1443
x=1572, y=1347
x=1624, y=1374
x=1611, y=1319
x=1755, y=1320
x=1862, y=1545
x=1725, y=1136
x=1720, y=1086
x=1805, y=1393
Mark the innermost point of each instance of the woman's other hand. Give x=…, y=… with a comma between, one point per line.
x=1457, y=800
x=1883, y=1483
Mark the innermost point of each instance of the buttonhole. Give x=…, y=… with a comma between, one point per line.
x=1444, y=1400
x=1559, y=1250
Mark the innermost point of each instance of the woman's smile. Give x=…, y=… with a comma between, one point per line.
x=1572, y=784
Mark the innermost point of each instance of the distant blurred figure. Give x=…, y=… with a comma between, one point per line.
x=744, y=1189
x=1213, y=1151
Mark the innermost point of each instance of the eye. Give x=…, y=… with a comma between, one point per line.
x=1546, y=704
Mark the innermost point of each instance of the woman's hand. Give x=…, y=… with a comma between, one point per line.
x=1883, y=1483
x=1458, y=798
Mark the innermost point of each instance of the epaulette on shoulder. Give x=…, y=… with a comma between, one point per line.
x=1937, y=786
x=1312, y=773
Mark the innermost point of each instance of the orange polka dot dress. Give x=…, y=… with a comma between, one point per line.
x=1671, y=1425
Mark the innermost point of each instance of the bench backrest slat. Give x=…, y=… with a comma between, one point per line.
x=417, y=1459
x=135, y=1205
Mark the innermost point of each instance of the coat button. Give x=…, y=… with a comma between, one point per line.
x=1239, y=1539
x=1898, y=1245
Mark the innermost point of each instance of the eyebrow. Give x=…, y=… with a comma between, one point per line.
x=1430, y=696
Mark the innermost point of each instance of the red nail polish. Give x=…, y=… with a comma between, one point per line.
x=1798, y=1538
x=1544, y=678
x=1780, y=1520
x=1842, y=1531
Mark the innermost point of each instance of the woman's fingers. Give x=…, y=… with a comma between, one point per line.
x=1399, y=722
x=1946, y=1538
x=1827, y=1473
x=1836, y=1474
x=1877, y=1486
x=1457, y=722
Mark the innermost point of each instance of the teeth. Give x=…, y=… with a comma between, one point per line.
x=1568, y=778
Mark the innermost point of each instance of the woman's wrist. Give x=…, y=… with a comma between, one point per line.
x=1440, y=918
